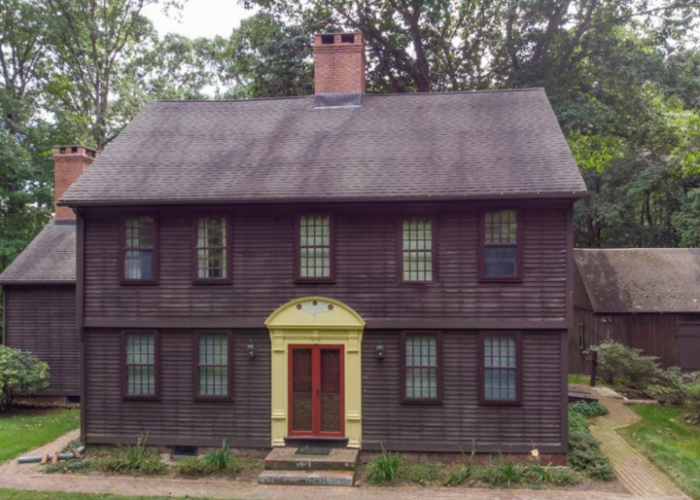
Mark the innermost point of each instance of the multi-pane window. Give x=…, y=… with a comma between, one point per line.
x=417, y=249
x=141, y=370
x=213, y=371
x=139, y=248
x=500, y=244
x=211, y=248
x=421, y=358
x=315, y=248
x=500, y=367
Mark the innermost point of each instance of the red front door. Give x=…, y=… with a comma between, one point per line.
x=316, y=391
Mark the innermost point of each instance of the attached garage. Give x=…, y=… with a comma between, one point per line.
x=646, y=298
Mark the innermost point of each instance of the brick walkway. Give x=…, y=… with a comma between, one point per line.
x=633, y=469
x=638, y=475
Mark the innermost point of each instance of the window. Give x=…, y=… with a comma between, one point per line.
x=315, y=248
x=141, y=357
x=212, y=258
x=500, y=365
x=140, y=240
x=417, y=255
x=582, y=336
x=421, y=367
x=500, y=253
x=213, y=356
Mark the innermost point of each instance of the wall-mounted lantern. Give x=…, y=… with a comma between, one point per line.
x=251, y=350
x=380, y=351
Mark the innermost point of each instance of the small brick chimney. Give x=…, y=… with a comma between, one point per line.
x=69, y=163
x=339, y=69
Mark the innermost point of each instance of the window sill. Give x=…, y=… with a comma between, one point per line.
x=213, y=399
x=421, y=402
x=205, y=282
x=500, y=280
x=500, y=403
x=314, y=281
x=141, y=398
x=139, y=282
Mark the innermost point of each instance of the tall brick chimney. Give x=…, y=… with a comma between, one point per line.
x=339, y=69
x=69, y=163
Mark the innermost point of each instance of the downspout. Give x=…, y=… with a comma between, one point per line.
x=80, y=310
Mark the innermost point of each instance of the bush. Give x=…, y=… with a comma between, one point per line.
x=192, y=467
x=218, y=460
x=618, y=361
x=21, y=374
x=584, y=449
x=457, y=473
x=502, y=473
x=420, y=472
x=588, y=410
x=681, y=389
x=385, y=468
x=136, y=459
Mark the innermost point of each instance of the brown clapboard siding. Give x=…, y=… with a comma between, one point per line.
x=41, y=319
x=460, y=423
x=366, y=268
x=177, y=417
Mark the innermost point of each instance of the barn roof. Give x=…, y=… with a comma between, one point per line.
x=49, y=258
x=641, y=280
x=416, y=146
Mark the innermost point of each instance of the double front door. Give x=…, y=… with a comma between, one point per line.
x=316, y=393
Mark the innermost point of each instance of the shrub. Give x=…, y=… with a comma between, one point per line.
x=681, y=389
x=136, y=459
x=21, y=374
x=584, y=449
x=70, y=467
x=385, y=468
x=692, y=402
x=616, y=360
x=218, y=460
x=588, y=410
x=457, y=473
x=192, y=467
x=420, y=472
x=502, y=473
x=564, y=477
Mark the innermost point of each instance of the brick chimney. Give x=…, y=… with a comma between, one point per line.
x=69, y=163
x=339, y=69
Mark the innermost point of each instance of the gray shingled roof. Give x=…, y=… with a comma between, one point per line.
x=642, y=280
x=457, y=145
x=49, y=258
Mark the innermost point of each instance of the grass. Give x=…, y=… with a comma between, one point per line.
x=576, y=378
x=52, y=495
x=670, y=443
x=22, y=431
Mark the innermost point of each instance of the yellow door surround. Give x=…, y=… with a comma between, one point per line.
x=316, y=320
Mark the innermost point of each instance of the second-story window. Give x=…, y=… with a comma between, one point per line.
x=140, y=249
x=211, y=249
x=417, y=252
x=315, y=248
x=500, y=254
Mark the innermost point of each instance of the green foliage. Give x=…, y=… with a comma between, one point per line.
x=81, y=466
x=218, y=459
x=588, y=410
x=584, y=449
x=420, y=472
x=619, y=361
x=385, y=468
x=669, y=442
x=457, y=473
x=502, y=472
x=137, y=459
x=21, y=374
x=193, y=467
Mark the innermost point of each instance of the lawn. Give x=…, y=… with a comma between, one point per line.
x=575, y=378
x=670, y=443
x=52, y=495
x=22, y=430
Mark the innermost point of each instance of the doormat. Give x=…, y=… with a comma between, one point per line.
x=313, y=450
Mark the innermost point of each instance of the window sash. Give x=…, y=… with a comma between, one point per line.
x=421, y=367
x=315, y=247
x=140, y=364
x=500, y=360
x=417, y=249
x=211, y=259
x=140, y=239
x=500, y=229
x=213, y=356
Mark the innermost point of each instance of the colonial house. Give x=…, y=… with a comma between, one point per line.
x=646, y=298
x=373, y=270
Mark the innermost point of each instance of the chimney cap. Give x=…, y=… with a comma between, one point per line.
x=76, y=149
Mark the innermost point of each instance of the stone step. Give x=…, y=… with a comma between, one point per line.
x=308, y=477
x=339, y=459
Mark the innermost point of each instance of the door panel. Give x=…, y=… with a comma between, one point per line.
x=302, y=390
x=330, y=390
x=316, y=391
x=688, y=345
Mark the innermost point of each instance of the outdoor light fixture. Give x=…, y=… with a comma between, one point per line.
x=251, y=350
x=380, y=351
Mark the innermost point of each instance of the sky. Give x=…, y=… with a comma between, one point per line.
x=199, y=18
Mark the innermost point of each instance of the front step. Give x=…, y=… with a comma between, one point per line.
x=308, y=477
x=339, y=459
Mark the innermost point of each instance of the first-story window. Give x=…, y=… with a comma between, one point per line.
x=141, y=356
x=500, y=249
x=211, y=248
x=315, y=248
x=139, y=236
x=213, y=370
x=421, y=370
x=500, y=365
